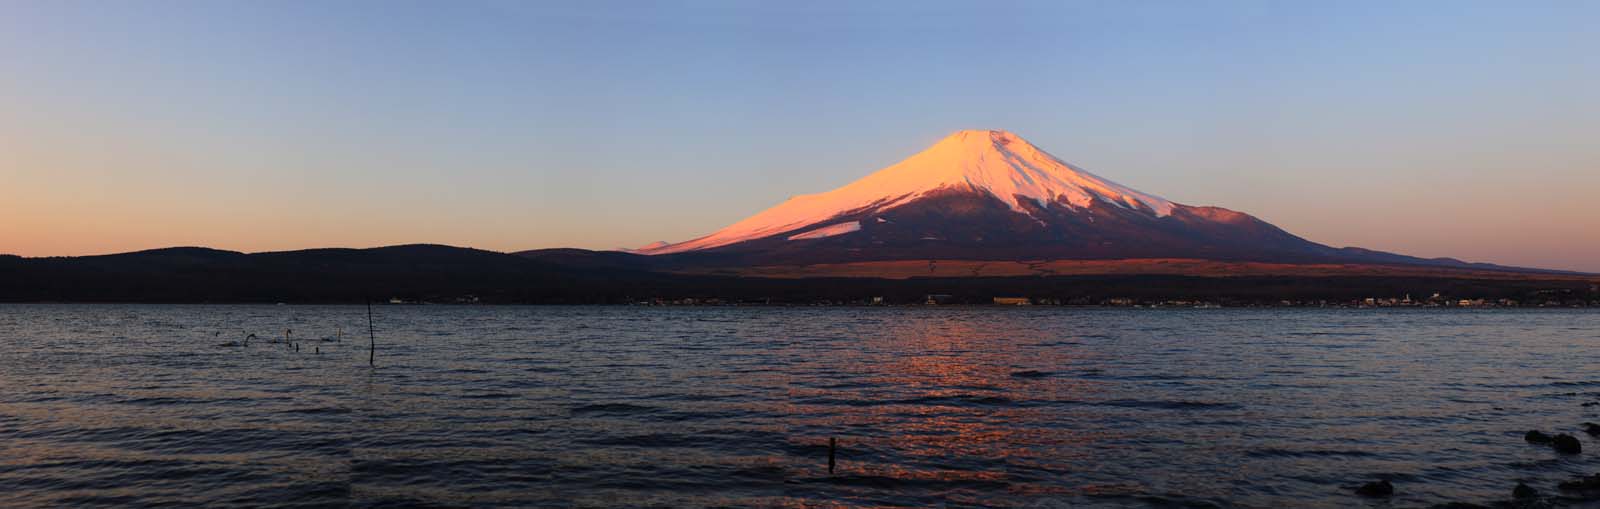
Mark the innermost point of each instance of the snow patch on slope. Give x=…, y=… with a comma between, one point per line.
x=647, y=247
x=998, y=162
x=829, y=231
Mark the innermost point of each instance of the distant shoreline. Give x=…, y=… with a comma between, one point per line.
x=450, y=275
x=957, y=305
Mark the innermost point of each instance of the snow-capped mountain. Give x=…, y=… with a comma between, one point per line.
x=998, y=163
x=991, y=195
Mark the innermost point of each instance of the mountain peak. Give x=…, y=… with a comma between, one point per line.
x=996, y=135
x=995, y=162
x=979, y=140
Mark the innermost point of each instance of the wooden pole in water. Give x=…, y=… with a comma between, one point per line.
x=372, y=338
x=833, y=445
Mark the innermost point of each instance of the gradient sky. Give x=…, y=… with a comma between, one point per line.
x=1429, y=128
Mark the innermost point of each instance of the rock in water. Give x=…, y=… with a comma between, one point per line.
x=1536, y=437
x=1376, y=489
x=1592, y=429
x=1567, y=444
x=1523, y=491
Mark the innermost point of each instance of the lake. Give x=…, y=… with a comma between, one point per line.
x=161, y=405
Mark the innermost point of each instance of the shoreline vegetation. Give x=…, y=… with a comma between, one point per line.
x=933, y=301
x=448, y=275
x=1142, y=292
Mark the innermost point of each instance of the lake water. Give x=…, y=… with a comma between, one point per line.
x=131, y=406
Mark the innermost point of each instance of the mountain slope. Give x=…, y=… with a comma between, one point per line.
x=998, y=163
x=991, y=195
x=434, y=272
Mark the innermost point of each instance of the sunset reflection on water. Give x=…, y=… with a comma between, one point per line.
x=941, y=402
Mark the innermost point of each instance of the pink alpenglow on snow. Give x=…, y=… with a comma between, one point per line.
x=647, y=247
x=829, y=231
x=997, y=162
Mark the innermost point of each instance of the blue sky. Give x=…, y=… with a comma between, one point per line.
x=1431, y=128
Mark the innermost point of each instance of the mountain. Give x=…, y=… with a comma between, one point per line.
x=411, y=272
x=988, y=164
x=988, y=195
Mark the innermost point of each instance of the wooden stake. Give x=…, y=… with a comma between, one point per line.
x=833, y=445
x=372, y=338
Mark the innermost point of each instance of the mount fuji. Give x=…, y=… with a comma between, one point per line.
x=990, y=195
x=997, y=165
